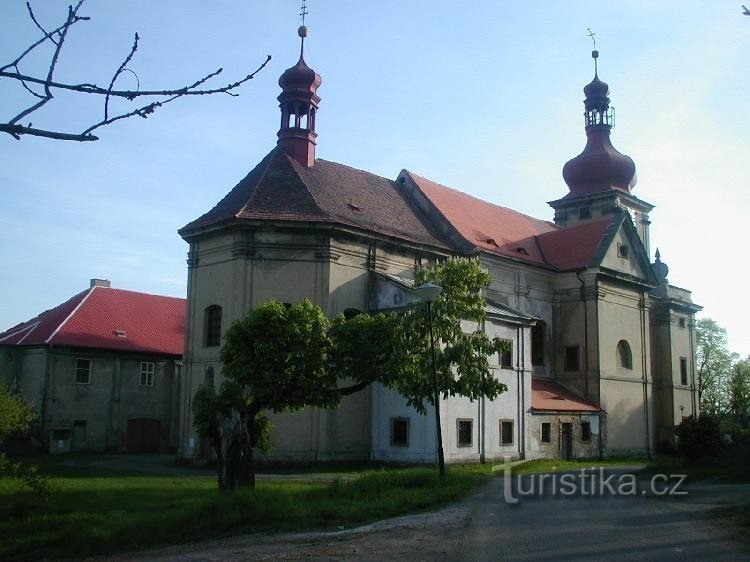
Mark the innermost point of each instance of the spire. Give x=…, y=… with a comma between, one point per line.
x=600, y=167
x=298, y=102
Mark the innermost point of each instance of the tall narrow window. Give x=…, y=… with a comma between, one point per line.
x=147, y=373
x=506, y=356
x=572, y=362
x=213, y=325
x=624, y=355
x=83, y=371
x=683, y=371
x=546, y=432
x=585, y=431
x=465, y=432
x=506, y=432
x=400, y=432
x=538, y=335
x=208, y=379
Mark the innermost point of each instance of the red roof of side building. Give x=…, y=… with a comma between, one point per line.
x=548, y=396
x=111, y=319
x=577, y=246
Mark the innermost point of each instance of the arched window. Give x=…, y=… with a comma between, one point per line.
x=213, y=325
x=624, y=356
x=208, y=379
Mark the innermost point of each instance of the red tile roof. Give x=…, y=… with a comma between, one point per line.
x=111, y=319
x=489, y=227
x=506, y=232
x=279, y=188
x=548, y=396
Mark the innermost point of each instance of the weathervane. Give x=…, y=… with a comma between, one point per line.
x=594, y=53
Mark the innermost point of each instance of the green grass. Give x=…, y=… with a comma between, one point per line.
x=559, y=465
x=96, y=511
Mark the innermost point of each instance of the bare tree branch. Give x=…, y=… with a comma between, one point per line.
x=57, y=37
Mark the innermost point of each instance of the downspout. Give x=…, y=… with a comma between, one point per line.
x=642, y=307
x=585, y=336
x=522, y=411
x=691, y=333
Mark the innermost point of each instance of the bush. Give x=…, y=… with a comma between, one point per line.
x=698, y=437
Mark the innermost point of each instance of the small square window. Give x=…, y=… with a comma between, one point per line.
x=147, y=373
x=572, y=362
x=623, y=251
x=400, y=432
x=546, y=433
x=584, y=213
x=506, y=432
x=506, y=356
x=683, y=371
x=465, y=433
x=585, y=431
x=83, y=371
x=681, y=322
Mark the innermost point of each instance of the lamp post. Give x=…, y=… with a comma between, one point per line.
x=427, y=293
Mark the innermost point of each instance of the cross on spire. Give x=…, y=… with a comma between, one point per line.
x=303, y=11
x=594, y=53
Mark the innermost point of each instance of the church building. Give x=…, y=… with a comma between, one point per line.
x=602, y=356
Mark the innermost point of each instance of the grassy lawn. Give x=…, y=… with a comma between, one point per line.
x=98, y=511
x=559, y=465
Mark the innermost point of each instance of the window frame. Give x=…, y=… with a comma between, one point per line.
x=538, y=337
x=566, y=365
x=506, y=354
x=212, y=328
x=683, y=371
x=585, y=431
x=459, y=422
x=80, y=369
x=548, y=427
x=624, y=355
x=392, y=426
x=503, y=442
x=584, y=213
x=149, y=372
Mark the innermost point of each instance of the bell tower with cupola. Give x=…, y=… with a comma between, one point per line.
x=298, y=102
x=600, y=179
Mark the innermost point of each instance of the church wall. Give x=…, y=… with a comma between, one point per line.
x=626, y=393
x=571, y=315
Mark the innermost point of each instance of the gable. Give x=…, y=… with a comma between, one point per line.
x=624, y=253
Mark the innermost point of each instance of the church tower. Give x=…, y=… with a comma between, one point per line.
x=600, y=178
x=298, y=102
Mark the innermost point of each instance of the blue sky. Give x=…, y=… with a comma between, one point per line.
x=483, y=96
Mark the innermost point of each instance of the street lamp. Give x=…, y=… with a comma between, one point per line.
x=428, y=292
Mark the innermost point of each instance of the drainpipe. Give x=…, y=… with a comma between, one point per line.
x=585, y=336
x=642, y=307
x=522, y=411
x=691, y=329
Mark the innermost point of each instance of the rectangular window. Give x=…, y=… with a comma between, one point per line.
x=585, y=431
x=572, y=358
x=683, y=371
x=623, y=251
x=537, y=343
x=213, y=326
x=681, y=322
x=584, y=213
x=83, y=371
x=465, y=432
x=546, y=433
x=399, y=432
x=506, y=356
x=147, y=373
x=506, y=432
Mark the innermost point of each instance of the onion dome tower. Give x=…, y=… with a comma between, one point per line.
x=600, y=167
x=600, y=179
x=298, y=102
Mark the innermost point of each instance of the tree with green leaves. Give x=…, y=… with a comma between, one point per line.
x=714, y=366
x=16, y=417
x=283, y=358
x=739, y=392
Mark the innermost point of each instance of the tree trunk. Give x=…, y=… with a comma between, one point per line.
x=235, y=454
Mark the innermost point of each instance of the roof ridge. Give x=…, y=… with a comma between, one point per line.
x=514, y=211
x=69, y=316
x=142, y=293
x=24, y=328
x=257, y=183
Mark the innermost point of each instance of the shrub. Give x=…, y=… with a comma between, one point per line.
x=698, y=437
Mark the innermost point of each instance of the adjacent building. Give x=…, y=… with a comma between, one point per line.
x=602, y=356
x=102, y=369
